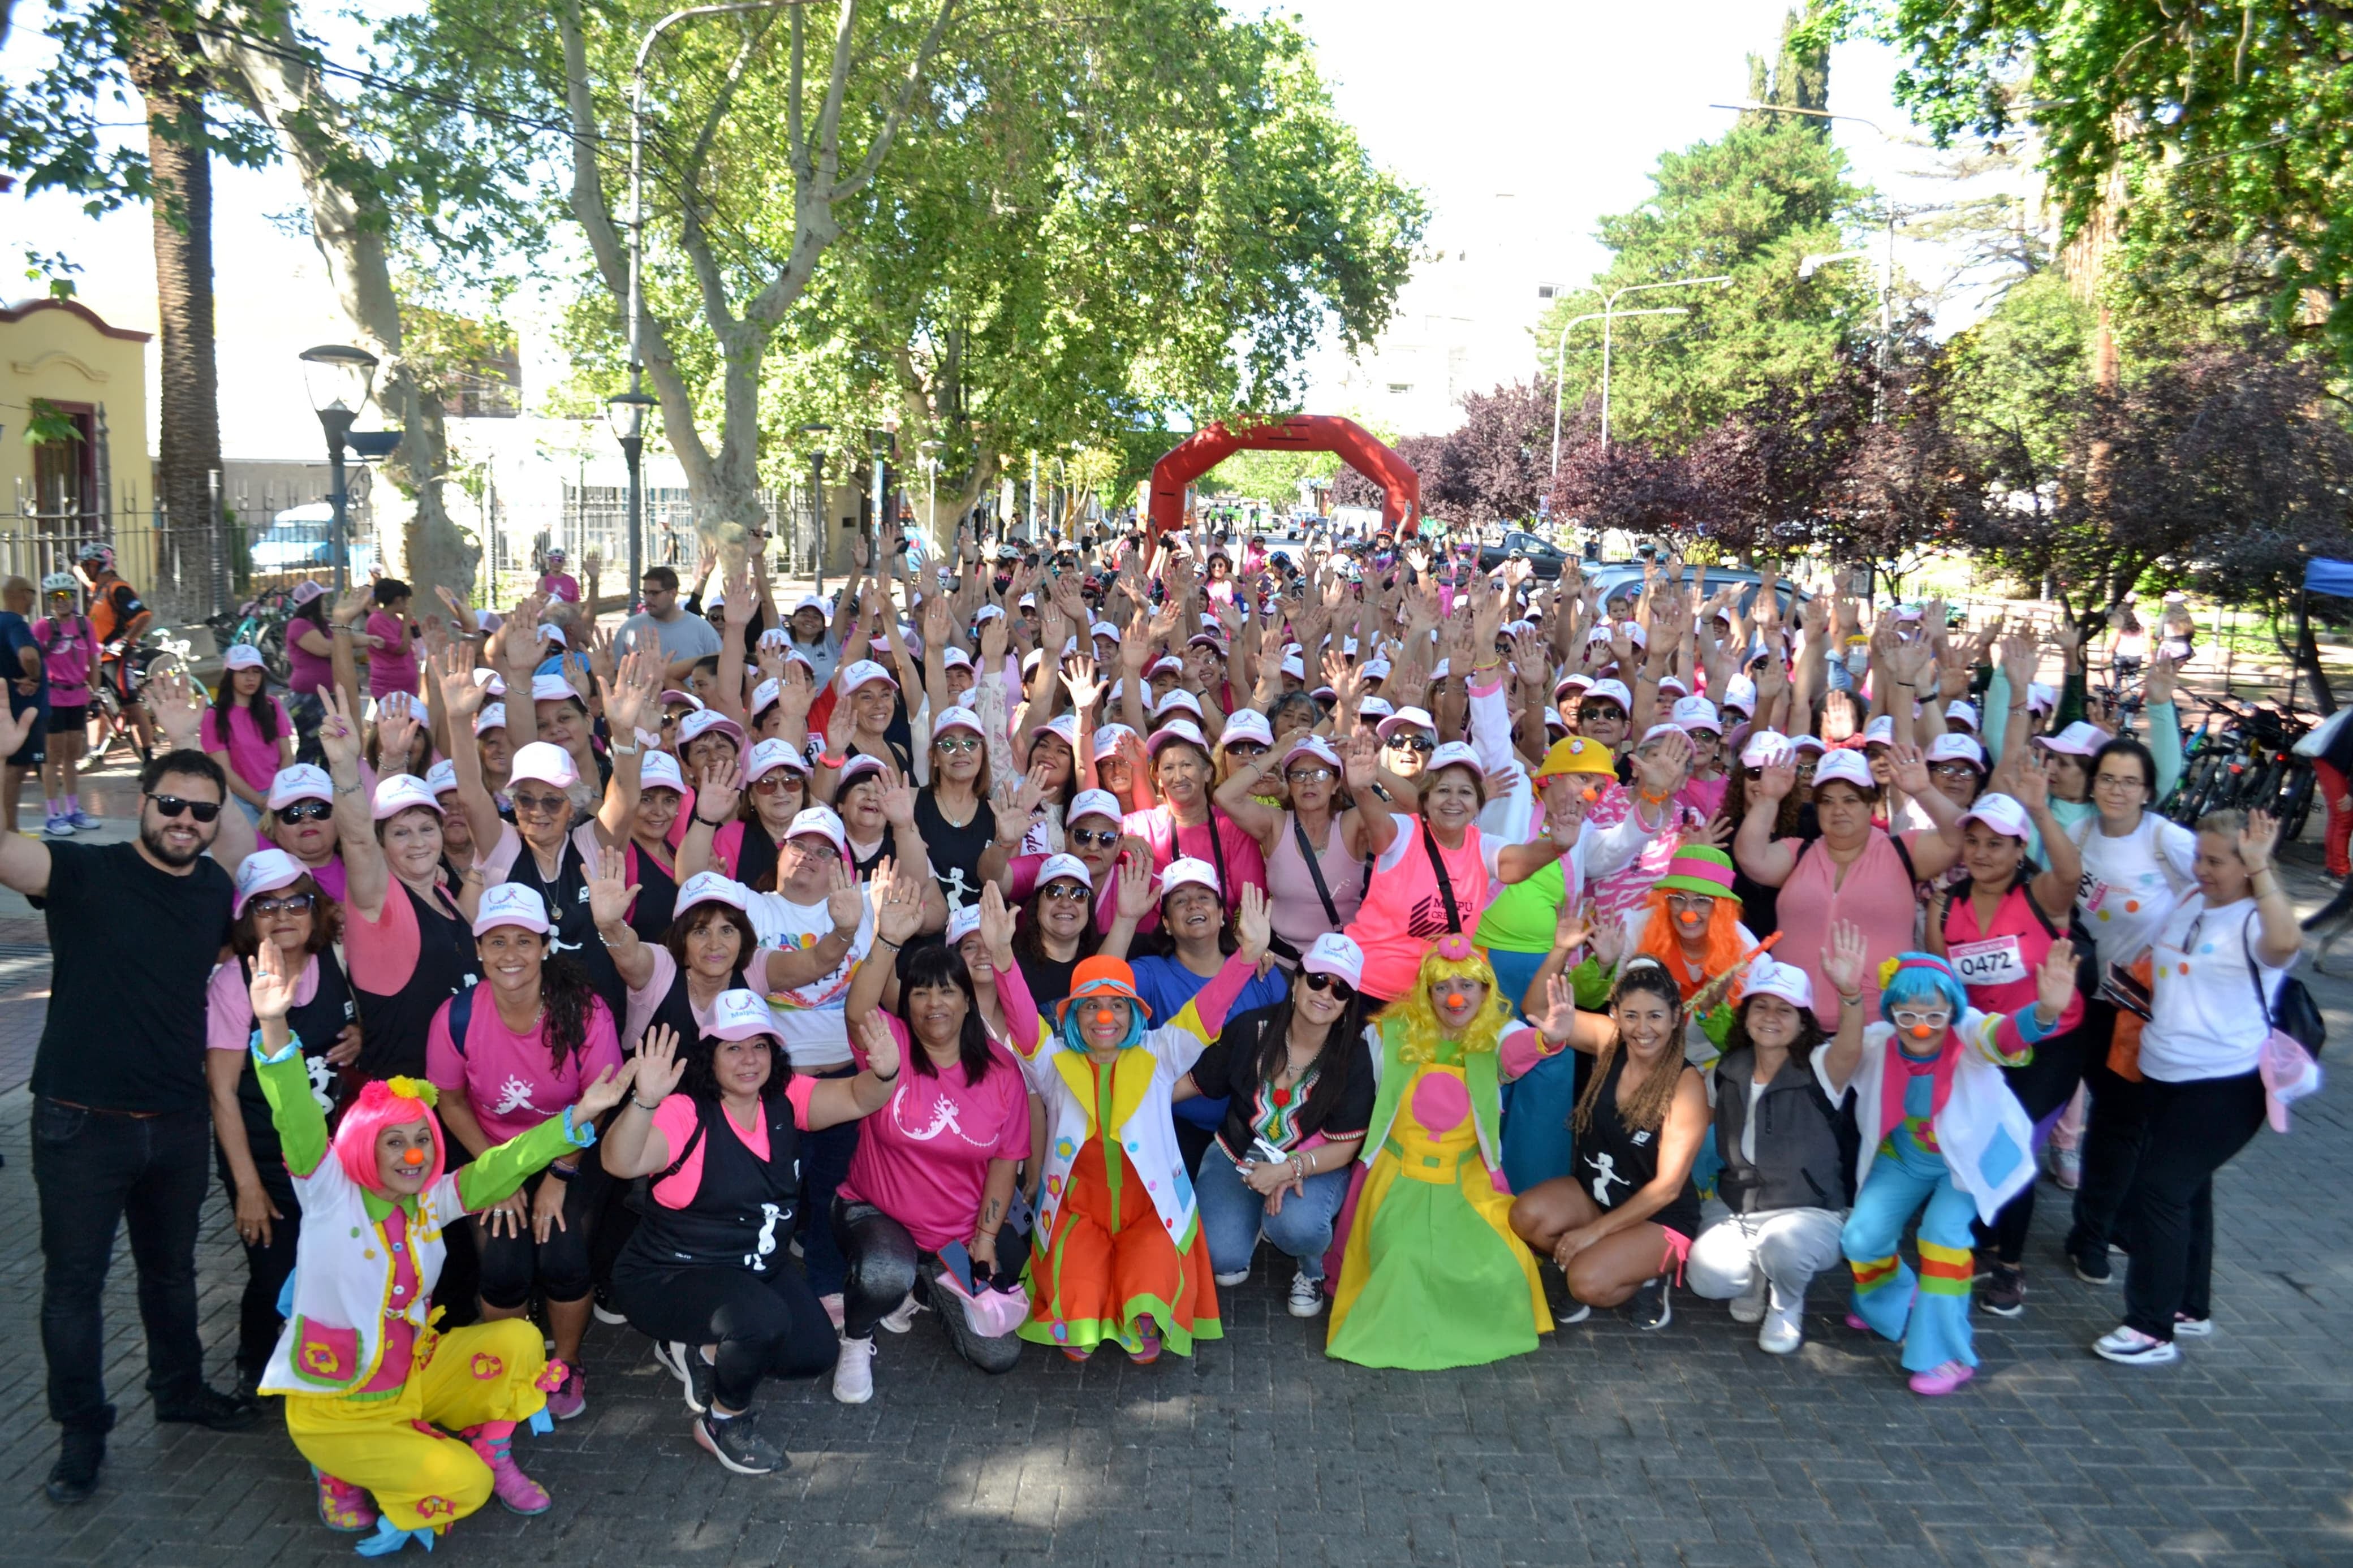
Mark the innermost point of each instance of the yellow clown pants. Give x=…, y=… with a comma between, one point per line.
x=387, y=1444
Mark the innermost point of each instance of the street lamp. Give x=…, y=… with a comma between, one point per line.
x=931, y=460
x=1606, y=317
x=338, y=379
x=1814, y=264
x=625, y=412
x=817, y=502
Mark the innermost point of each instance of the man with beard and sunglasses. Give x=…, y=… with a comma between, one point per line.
x=122, y=1120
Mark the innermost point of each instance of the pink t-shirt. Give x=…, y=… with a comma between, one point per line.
x=307, y=671
x=67, y=650
x=508, y=1079
x=255, y=758
x=392, y=667
x=228, y=1005
x=923, y=1158
x=674, y=1120
x=561, y=585
x=1244, y=862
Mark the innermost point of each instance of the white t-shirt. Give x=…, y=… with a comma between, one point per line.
x=2131, y=884
x=811, y=1018
x=2205, y=1021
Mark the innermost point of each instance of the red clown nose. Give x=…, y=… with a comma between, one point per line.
x=1921, y=1031
x=412, y=1156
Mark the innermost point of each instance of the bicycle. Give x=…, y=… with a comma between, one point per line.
x=260, y=621
x=137, y=663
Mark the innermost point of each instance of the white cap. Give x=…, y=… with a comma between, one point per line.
x=1332, y=953
x=1168, y=662
x=2077, y=740
x=1063, y=727
x=711, y=888
x=702, y=722
x=987, y=613
x=1844, y=767
x=1176, y=730
x=1610, y=690
x=1696, y=713
x=1455, y=754
x=1247, y=725
x=1658, y=731
x=2039, y=697
x=811, y=602
x=764, y=695
x=658, y=770
x=956, y=718
x=552, y=689
x=491, y=716
x=2002, y=813
x=965, y=918
x=1104, y=629
x=491, y=681
x=241, y=655
x=1061, y=868
x=771, y=755
x=266, y=872
x=1808, y=743
x=1406, y=719
x=1092, y=802
x=1963, y=709
x=741, y=1015
x=396, y=793
x=441, y=777
x=300, y=782
x=1675, y=684
x=1445, y=666
x=392, y=704
x=860, y=766
x=1309, y=744
x=1178, y=702
x=1553, y=721
x=864, y=673
x=1768, y=977
x=1294, y=666
x=956, y=658
x=548, y=631
x=1765, y=747
x=818, y=821
x=305, y=591
x=1186, y=871
x=544, y=760
x=1740, y=692
x=1955, y=747
x=1880, y=731
x=511, y=904
x=674, y=695
x=1373, y=707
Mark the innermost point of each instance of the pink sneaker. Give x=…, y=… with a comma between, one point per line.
x=1854, y=1320
x=342, y=1507
x=518, y=1492
x=1149, y=1332
x=569, y=1397
x=1942, y=1379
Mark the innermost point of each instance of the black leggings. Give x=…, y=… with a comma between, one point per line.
x=2042, y=1087
x=885, y=1264
x=511, y=1265
x=266, y=1268
x=2113, y=1138
x=767, y=1325
x=2194, y=1130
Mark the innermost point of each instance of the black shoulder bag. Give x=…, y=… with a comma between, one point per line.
x=2295, y=1015
x=1445, y=883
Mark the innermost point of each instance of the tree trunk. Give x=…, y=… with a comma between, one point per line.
x=188, y=405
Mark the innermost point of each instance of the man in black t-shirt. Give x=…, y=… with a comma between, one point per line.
x=121, y=1124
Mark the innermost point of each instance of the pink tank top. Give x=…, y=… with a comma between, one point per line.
x=1403, y=910
x=1996, y=965
x=1876, y=896
x=1296, y=910
x=67, y=650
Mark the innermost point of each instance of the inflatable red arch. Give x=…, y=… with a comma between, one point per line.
x=1213, y=444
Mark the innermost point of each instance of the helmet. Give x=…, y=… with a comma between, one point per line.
x=556, y=553
x=60, y=582
x=94, y=553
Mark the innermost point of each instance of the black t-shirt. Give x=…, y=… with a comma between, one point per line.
x=132, y=948
x=955, y=851
x=1230, y=1069
x=1049, y=981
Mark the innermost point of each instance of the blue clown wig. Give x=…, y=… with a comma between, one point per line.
x=1919, y=980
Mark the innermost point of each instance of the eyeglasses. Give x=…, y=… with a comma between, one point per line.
x=956, y=745
x=1907, y=1019
x=1412, y=744
x=301, y=811
x=1093, y=838
x=1955, y=771
x=293, y=904
x=1310, y=776
x=1609, y=712
x=2117, y=781
x=774, y=784
x=1331, y=983
x=171, y=806
x=540, y=804
x=1064, y=892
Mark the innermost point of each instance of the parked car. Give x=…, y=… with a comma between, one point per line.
x=303, y=539
x=1623, y=580
x=1518, y=544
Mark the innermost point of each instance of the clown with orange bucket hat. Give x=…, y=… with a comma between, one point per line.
x=368, y=1381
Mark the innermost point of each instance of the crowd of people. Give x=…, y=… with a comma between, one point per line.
x=1041, y=942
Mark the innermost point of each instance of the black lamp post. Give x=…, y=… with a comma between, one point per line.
x=817, y=502
x=338, y=378
x=625, y=412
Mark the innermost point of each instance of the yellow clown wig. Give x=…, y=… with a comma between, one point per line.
x=1452, y=957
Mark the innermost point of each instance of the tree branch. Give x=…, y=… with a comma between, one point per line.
x=907, y=91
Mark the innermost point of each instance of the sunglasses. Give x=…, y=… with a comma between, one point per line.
x=1589, y=711
x=1412, y=744
x=1309, y=776
x=1331, y=983
x=1954, y=770
x=539, y=805
x=1245, y=749
x=774, y=784
x=1094, y=837
x=301, y=811
x=956, y=745
x=293, y=904
x=1064, y=892
x=171, y=806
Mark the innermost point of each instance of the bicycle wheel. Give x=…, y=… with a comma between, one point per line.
x=2296, y=800
x=2197, y=787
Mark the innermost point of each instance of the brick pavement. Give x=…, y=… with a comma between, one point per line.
x=1686, y=1447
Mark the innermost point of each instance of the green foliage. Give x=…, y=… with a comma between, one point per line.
x=49, y=424
x=1272, y=477
x=2017, y=379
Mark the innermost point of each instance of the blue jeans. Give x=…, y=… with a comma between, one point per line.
x=1233, y=1216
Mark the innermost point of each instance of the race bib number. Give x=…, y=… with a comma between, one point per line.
x=1995, y=962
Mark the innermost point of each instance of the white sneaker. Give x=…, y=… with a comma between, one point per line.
x=854, y=1374
x=58, y=828
x=1785, y=1327
x=1227, y=1281
x=2191, y=1328
x=1748, y=1307
x=2128, y=1346
x=1576, y=1314
x=1307, y=1295
x=902, y=1317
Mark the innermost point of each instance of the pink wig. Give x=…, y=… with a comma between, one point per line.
x=389, y=1103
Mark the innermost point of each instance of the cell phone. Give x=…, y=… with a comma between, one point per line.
x=958, y=1261
x=2121, y=986
x=1019, y=1214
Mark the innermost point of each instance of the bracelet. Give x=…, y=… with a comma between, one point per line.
x=890, y=1076
x=641, y=1105
x=562, y=1174
x=706, y=822
x=831, y=759
x=1847, y=1001
x=631, y=750
x=884, y=941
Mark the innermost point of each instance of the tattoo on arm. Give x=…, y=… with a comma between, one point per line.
x=989, y=1212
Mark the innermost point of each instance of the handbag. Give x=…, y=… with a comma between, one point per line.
x=2293, y=1013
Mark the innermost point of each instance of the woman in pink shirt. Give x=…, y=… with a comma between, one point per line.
x=392, y=630
x=246, y=729
x=69, y=654
x=505, y=1062
x=556, y=582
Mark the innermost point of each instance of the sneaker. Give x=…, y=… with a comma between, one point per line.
x=736, y=1443
x=342, y=1507
x=902, y=1318
x=58, y=828
x=685, y=1363
x=74, y=1476
x=1307, y=1295
x=1748, y=1307
x=1785, y=1326
x=2005, y=1292
x=2067, y=1167
x=2185, y=1327
x=2092, y=1268
x=212, y=1409
x=570, y=1398
x=517, y=1492
x=853, y=1370
x=1577, y=1314
x=2128, y=1346
x=833, y=1310
x=1149, y=1333
x=1651, y=1308
x=1227, y=1281
x=1942, y=1379
x=605, y=1313
x=82, y=820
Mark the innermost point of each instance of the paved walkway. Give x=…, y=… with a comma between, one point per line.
x=1606, y=1445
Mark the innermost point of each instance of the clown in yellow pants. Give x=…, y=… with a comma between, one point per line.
x=487, y=1374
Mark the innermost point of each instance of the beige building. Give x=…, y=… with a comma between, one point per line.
x=66, y=372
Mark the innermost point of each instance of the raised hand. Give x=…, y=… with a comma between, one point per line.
x=2055, y=983
x=882, y=1045
x=1777, y=781
x=610, y=892
x=1136, y=881
x=997, y=923
x=845, y=900
x=2031, y=787
x=271, y=989
x=339, y=737
x=1558, y=1021
x=716, y=788
x=1079, y=673
x=1662, y=766
x=798, y=692
x=455, y=670
x=992, y=644
x=178, y=707
x=632, y=695
x=1846, y=957
x=898, y=903
x=395, y=733
x=1253, y=925
x=1610, y=944
x=737, y=610
x=658, y=1064
x=2162, y=674
x=899, y=804
x=1908, y=766
x=1364, y=760
x=1837, y=718
x=2256, y=841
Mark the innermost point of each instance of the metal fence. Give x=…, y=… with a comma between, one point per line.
x=596, y=518
x=183, y=573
